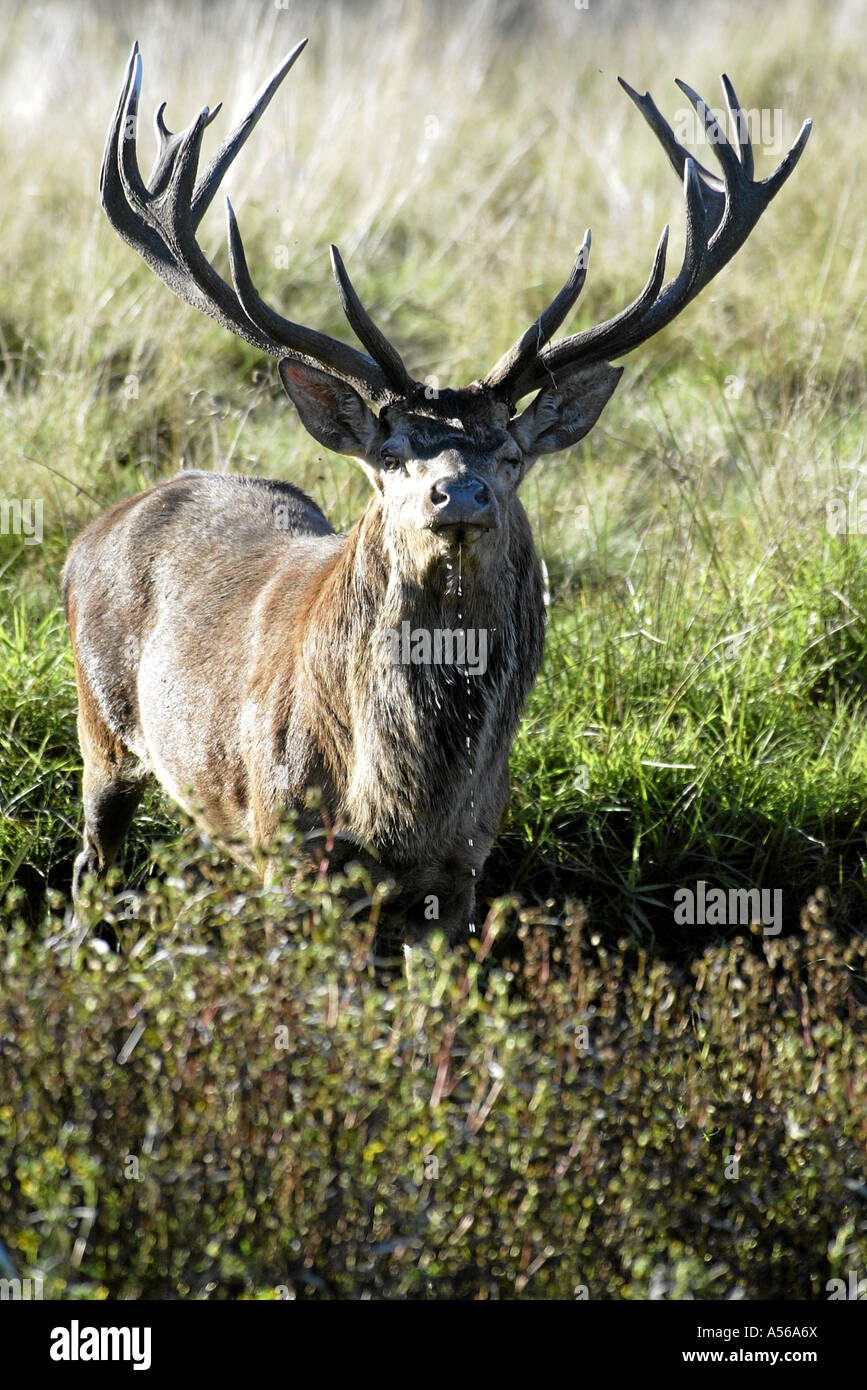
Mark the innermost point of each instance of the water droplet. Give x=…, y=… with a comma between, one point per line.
x=469, y=716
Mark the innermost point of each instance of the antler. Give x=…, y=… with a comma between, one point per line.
x=159, y=220
x=720, y=214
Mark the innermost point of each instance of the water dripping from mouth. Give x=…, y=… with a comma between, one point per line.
x=470, y=838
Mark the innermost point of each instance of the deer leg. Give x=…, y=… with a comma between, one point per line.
x=108, y=814
x=113, y=785
x=454, y=914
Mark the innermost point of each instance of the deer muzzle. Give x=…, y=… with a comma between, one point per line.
x=464, y=505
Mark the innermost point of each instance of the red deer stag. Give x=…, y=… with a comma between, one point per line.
x=231, y=644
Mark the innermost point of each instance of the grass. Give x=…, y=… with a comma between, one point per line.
x=700, y=714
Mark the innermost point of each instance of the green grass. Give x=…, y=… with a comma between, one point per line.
x=700, y=713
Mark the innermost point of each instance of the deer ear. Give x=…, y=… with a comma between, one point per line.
x=330, y=410
x=565, y=410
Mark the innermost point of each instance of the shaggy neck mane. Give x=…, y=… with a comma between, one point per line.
x=399, y=735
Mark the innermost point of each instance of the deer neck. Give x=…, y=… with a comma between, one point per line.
x=419, y=671
x=385, y=608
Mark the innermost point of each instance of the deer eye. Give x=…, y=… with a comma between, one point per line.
x=390, y=458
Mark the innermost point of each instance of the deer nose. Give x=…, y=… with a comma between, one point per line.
x=462, y=501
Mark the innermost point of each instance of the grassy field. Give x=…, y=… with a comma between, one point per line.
x=700, y=715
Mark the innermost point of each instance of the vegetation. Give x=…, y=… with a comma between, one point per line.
x=596, y=1097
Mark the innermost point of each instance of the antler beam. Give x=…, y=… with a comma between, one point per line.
x=159, y=220
x=720, y=214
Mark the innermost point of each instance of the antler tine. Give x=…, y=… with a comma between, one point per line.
x=739, y=126
x=720, y=212
x=534, y=373
x=347, y=361
x=732, y=167
x=168, y=143
x=677, y=155
x=366, y=330
x=125, y=143
x=774, y=182
x=159, y=221
x=212, y=177
x=511, y=366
